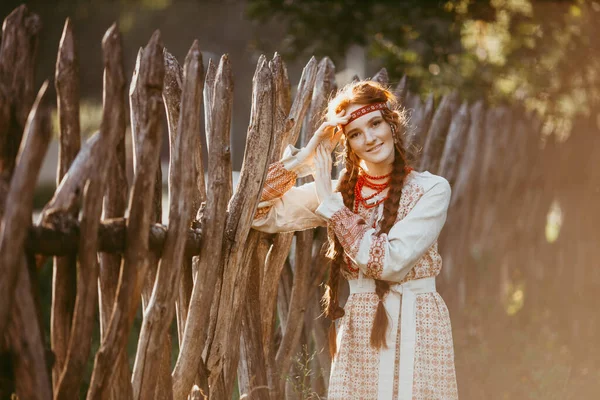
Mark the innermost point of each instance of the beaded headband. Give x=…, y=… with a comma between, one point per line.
x=366, y=110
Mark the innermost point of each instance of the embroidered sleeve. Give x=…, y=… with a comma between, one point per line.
x=284, y=207
x=391, y=257
x=349, y=228
x=261, y=212
x=376, y=257
x=279, y=180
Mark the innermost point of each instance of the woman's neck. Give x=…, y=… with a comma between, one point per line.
x=376, y=169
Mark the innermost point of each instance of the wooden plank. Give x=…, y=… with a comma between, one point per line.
x=420, y=122
x=159, y=312
x=401, y=89
x=301, y=102
x=198, y=196
x=436, y=138
x=213, y=222
x=19, y=200
x=208, y=95
x=381, y=77
x=18, y=52
x=252, y=368
x=64, y=277
x=241, y=212
x=136, y=260
x=25, y=337
x=84, y=315
x=115, y=201
x=455, y=142
x=324, y=86
x=64, y=240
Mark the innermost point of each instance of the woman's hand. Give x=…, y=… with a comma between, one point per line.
x=326, y=134
x=322, y=173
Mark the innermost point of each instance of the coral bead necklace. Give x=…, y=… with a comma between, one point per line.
x=366, y=180
x=363, y=180
x=364, y=200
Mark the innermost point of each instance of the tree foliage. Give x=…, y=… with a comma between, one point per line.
x=541, y=53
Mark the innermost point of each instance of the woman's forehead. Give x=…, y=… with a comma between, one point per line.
x=360, y=121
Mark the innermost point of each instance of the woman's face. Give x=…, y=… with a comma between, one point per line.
x=370, y=137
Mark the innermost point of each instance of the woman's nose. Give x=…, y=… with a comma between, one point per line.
x=369, y=136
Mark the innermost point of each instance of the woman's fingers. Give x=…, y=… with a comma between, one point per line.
x=327, y=131
x=336, y=138
x=332, y=123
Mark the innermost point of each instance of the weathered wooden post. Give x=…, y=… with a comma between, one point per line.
x=135, y=260
x=19, y=319
x=299, y=296
x=213, y=224
x=65, y=274
x=115, y=201
x=160, y=310
x=436, y=138
x=236, y=259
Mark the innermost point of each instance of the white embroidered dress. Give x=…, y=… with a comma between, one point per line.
x=418, y=363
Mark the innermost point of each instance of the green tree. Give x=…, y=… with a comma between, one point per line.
x=540, y=53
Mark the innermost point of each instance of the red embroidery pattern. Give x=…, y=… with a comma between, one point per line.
x=430, y=264
x=376, y=256
x=365, y=110
x=355, y=369
x=411, y=193
x=434, y=376
x=279, y=180
x=261, y=212
x=349, y=229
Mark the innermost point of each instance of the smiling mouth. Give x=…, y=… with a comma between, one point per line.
x=374, y=148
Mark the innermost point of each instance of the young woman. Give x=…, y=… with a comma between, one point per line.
x=394, y=339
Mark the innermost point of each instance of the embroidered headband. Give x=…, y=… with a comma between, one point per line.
x=366, y=110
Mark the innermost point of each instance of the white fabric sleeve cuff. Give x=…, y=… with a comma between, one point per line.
x=332, y=204
x=291, y=162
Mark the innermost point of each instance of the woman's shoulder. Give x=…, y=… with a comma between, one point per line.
x=427, y=181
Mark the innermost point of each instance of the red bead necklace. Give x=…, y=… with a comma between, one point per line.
x=360, y=199
x=363, y=180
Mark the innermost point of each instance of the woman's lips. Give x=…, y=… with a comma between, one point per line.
x=375, y=148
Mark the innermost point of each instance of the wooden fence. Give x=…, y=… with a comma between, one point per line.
x=246, y=304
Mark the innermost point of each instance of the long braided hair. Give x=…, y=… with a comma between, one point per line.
x=365, y=92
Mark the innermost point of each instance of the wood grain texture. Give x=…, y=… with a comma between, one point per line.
x=19, y=199
x=160, y=310
x=66, y=82
x=115, y=201
x=136, y=258
x=213, y=222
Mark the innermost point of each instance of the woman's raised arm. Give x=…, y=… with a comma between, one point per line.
x=283, y=206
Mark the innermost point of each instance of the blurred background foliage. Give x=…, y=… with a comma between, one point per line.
x=542, y=54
